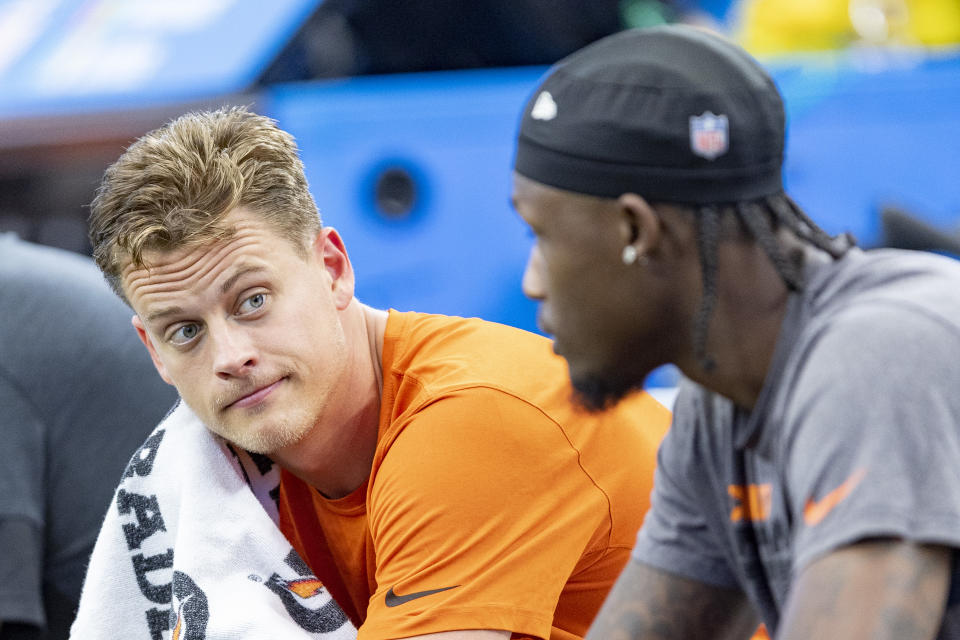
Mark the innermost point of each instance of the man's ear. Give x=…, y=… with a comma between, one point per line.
x=148, y=343
x=640, y=225
x=328, y=247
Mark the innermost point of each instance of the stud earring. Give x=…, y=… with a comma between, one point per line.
x=629, y=255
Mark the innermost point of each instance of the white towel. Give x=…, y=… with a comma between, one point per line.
x=190, y=550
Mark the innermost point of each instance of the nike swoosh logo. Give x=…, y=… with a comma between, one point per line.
x=393, y=600
x=815, y=511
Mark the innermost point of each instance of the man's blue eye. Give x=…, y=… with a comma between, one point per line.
x=253, y=303
x=185, y=333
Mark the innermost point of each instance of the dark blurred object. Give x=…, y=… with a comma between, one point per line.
x=78, y=395
x=358, y=37
x=901, y=230
x=49, y=206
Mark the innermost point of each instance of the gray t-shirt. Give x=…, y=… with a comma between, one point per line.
x=856, y=434
x=78, y=394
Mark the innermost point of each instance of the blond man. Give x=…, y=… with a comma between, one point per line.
x=435, y=476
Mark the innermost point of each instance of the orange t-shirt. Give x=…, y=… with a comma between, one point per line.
x=492, y=503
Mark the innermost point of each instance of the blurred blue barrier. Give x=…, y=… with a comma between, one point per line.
x=442, y=238
x=861, y=138
x=68, y=56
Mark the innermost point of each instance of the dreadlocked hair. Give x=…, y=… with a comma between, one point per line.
x=708, y=227
x=755, y=219
x=761, y=219
x=789, y=214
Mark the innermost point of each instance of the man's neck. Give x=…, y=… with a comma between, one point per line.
x=744, y=328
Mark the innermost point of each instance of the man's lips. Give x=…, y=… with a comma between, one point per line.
x=545, y=327
x=543, y=323
x=256, y=397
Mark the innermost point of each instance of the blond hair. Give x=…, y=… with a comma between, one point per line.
x=173, y=187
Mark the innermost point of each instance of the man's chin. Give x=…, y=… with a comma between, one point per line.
x=597, y=393
x=264, y=440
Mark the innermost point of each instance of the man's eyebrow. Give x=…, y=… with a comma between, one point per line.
x=241, y=271
x=169, y=311
x=232, y=280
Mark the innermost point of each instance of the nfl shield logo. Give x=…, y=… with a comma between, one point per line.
x=708, y=135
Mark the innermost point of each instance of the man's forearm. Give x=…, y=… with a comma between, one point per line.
x=882, y=590
x=650, y=604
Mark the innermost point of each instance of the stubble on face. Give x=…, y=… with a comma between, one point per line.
x=252, y=428
x=265, y=438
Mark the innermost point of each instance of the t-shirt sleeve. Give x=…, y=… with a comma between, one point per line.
x=675, y=536
x=872, y=434
x=479, y=513
x=21, y=509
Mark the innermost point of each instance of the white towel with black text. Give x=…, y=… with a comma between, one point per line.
x=190, y=550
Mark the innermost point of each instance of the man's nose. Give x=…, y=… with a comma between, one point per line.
x=533, y=276
x=234, y=352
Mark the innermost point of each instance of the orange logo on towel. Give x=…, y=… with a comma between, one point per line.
x=305, y=588
x=178, y=628
x=303, y=598
x=192, y=610
x=753, y=502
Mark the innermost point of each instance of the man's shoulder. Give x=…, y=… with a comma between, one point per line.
x=448, y=331
x=902, y=303
x=44, y=264
x=441, y=354
x=486, y=375
x=905, y=281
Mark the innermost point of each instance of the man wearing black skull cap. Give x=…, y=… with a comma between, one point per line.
x=811, y=477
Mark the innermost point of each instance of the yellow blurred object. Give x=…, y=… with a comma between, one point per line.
x=779, y=26
x=782, y=26
x=934, y=22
